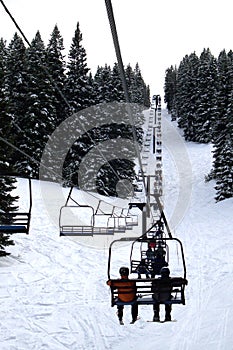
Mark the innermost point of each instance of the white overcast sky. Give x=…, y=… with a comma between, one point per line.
x=156, y=34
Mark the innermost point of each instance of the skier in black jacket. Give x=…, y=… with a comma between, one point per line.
x=162, y=289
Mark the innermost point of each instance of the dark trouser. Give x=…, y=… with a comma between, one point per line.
x=168, y=309
x=134, y=311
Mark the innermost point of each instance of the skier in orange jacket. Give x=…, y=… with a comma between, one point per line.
x=126, y=293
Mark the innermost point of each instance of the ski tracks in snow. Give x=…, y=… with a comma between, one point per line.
x=54, y=294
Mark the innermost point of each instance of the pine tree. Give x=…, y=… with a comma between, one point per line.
x=182, y=91
x=56, y=69
x=147, y=96
x=170, y=89
x=223, y=158
x=79, y=95
x=129, y=75
x=225, y=88
x=207, y=101
x=108, y=85
x=91, y=88
x=16, y=88
x=223, y=145
x=117, y=89
x=77, y=91
x=187, y=92
x=103, y=84
x=138, y=87
x=7, y=205
x=6, y=183
x=40, y=117
x=5, y=116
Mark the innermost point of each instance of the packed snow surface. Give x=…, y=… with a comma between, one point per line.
x=53, y=289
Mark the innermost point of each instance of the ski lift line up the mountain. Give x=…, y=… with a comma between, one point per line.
x=43, y=66
x=151, y=290
x=16, y=221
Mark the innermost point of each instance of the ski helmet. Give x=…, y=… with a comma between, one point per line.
x=165, y=272
x=124, y=271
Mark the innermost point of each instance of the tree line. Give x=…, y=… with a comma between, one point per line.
x=39, y=89
x=199, y=93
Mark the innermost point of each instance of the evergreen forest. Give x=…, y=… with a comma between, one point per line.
x=199, y=94
x=39, y=89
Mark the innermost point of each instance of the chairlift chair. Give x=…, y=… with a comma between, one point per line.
x=17, y=221
x=145, y=286
x=131, y=219
x=70, y=222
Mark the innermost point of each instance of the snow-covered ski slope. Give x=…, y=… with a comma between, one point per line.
x=53, y=292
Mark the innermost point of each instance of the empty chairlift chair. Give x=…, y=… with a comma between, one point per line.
x=76, y=220
x=17, y=221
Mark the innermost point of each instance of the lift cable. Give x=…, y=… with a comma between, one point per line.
x=15, y=23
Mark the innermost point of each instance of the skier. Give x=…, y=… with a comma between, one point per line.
x=162, y=293
x=160, y=251
x=157, y=264
x=142, y=268
x=126, y=293
x=150, y=254
x=159, y=261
